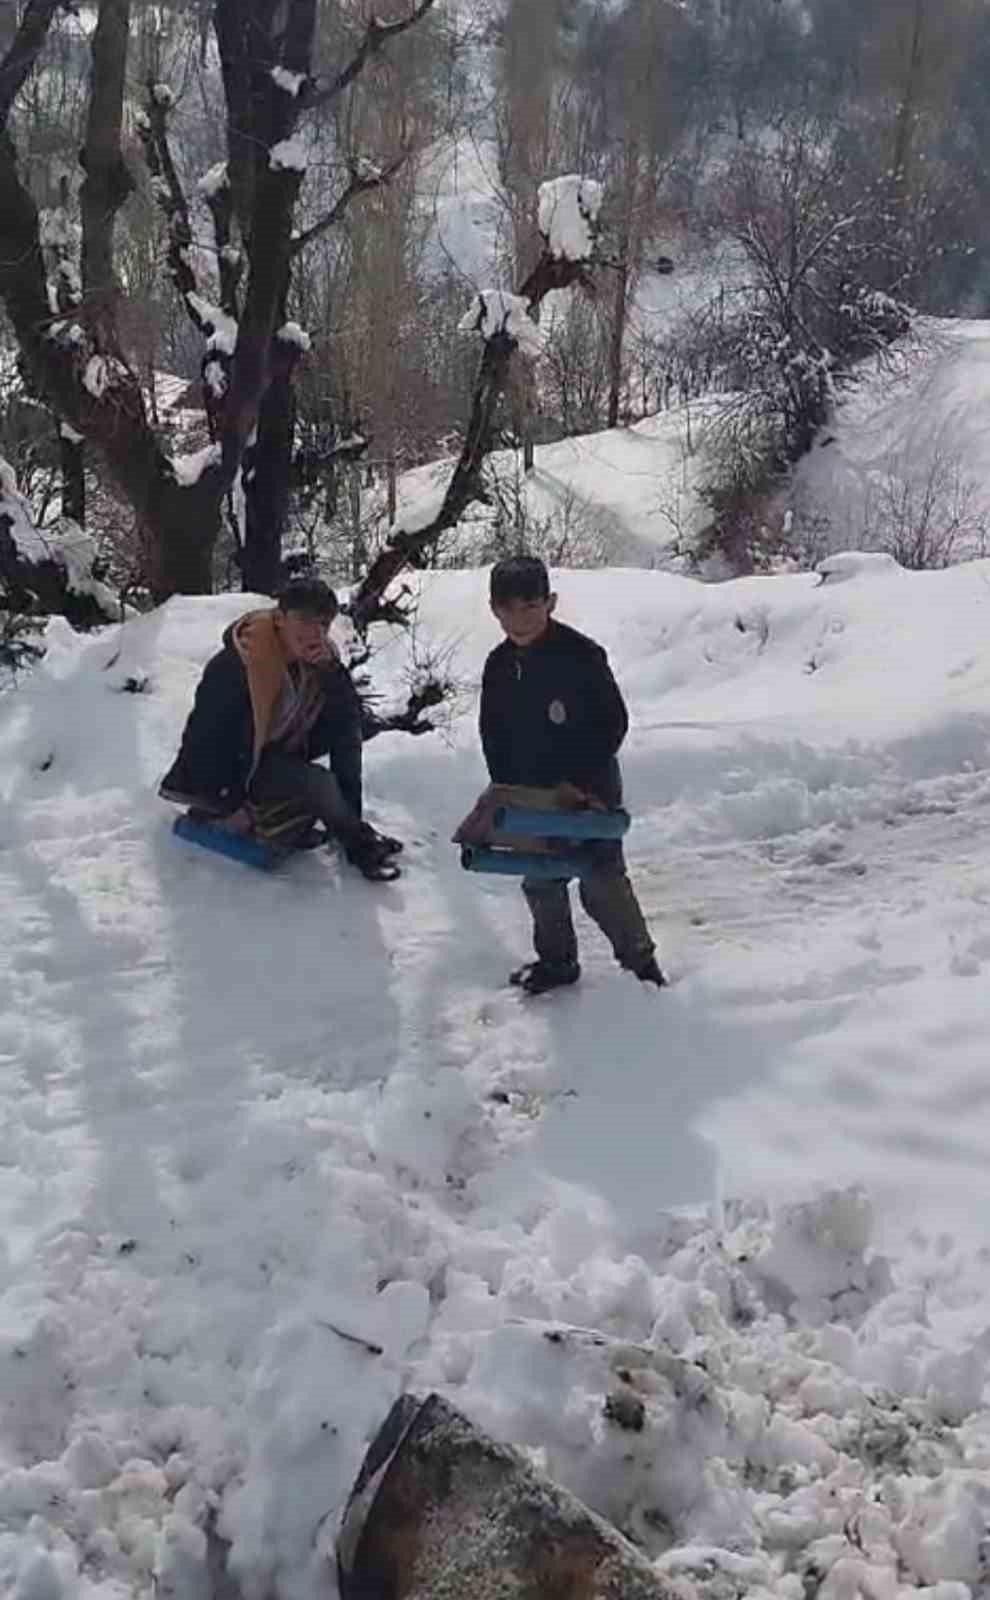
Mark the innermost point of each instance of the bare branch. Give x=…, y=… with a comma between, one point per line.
x=152, y=129
x=377, y=35
x=359, y=184
x=29, y=41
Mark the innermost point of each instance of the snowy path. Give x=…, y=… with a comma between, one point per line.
x=241, y=1112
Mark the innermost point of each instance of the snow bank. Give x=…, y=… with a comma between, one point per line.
x=273, y=1149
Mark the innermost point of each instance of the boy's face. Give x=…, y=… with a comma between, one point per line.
x=525, y=621
x=304, y=636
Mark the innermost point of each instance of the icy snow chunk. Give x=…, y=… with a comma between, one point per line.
x=90, y=1462
x=290, y=82
x=181, y=1570
x=163, y=96
x=189, y=469
x=289, y=155
x=856, y=564
x=494, y=311
x=292, y=333
x=817, y=1251
x=422, y=1126
x=568, y=216
x=213, y=181
x=68, y=432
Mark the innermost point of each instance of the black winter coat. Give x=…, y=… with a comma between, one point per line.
x=216, y=756
x=552, y=713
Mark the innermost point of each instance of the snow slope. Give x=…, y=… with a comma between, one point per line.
x=246, y=1120
x=916, y=418
x=623, y=497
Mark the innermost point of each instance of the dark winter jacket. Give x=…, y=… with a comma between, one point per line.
x=222, y=738
x=552, y=713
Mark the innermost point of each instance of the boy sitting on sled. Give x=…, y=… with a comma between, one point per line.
x=273, y=700
x=552, y=717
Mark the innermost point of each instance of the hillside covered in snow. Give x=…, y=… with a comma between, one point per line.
x=248, y=1120
x=902, y=467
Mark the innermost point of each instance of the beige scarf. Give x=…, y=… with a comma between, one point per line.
x=284, y=704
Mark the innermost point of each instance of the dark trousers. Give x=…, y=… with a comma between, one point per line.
x=280, y=778
x=610, y=901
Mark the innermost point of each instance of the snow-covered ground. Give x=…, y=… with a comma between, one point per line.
x=243, y=1116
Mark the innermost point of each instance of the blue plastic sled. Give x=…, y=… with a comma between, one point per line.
x=238, y=846
x=562, y=824
x=523, y=863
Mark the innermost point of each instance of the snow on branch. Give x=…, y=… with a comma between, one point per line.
x=569, y=209
x=16, y=519
x=289, y=155
x=289, y=82
x=493, y=312
x=292, y=333
x=51, y=570
x=213, y=181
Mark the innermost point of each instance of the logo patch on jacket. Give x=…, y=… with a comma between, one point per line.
x=557, y=712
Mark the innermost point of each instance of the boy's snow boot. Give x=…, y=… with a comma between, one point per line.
x=369, y=853
x=536, y=977
x=651, y=973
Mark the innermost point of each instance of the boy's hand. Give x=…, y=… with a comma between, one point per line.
x=240, y=821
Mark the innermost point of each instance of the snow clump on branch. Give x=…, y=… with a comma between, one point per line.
x=289, y=82
x=568, y=216
x=292, y=333
x=493, y=311
x=288, y=156
x=213, y=181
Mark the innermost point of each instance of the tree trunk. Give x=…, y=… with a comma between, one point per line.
x=73, y=478
x=181, y=538
x=267, y=487
x=618, y=336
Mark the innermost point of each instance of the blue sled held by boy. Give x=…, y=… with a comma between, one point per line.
x=535, y=834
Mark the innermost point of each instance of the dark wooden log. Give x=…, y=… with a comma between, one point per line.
x=442, y=1512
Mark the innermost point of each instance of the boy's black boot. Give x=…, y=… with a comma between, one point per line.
x=650, y=972
x=536, y=977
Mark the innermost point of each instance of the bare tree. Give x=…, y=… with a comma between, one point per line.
x=80, y=365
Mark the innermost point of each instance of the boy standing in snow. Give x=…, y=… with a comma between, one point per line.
x=273, y=700
x=552, y=717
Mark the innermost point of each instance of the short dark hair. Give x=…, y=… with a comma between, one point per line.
x=519, y=578
x=311, y=597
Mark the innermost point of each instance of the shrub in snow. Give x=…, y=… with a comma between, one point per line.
x=50, y=571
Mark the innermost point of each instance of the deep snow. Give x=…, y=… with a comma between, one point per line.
x=243, y=1116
